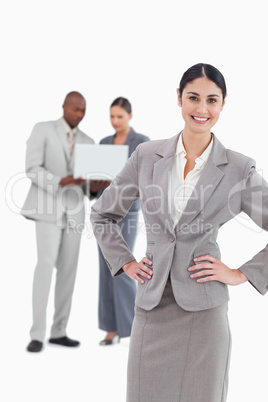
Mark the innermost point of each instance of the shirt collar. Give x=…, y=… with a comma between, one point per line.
x=67, y=128
x=180, y=150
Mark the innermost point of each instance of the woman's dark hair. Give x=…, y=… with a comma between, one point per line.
x=122, y=102
x=203, y=70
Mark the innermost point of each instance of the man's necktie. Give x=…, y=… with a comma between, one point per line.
x=71, y=142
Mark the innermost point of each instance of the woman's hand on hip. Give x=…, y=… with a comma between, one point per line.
x=216, y=271
x=136, y=269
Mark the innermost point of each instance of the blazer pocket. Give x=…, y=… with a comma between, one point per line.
x=150, y=249
x=213, y=252
x=150, y=242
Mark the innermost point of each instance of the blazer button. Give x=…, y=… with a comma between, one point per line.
x=172, y=239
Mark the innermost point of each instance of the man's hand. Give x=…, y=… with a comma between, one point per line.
x=71, y=181
x=97, y=185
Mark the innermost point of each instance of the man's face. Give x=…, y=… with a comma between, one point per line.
x=74, y=110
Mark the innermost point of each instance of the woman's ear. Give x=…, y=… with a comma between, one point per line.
x=223, y=103
x=179, y=97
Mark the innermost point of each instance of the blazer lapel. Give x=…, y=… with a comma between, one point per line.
x=206, y=185
x=161, y=176
x=131, y=137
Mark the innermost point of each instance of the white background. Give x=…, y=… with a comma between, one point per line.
x=137, y=49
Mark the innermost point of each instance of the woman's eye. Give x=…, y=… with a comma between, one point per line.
x=212, y=100
x=193, y=98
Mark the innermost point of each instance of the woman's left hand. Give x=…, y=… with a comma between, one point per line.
x=217, y=271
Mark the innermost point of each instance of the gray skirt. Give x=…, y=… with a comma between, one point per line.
x=177, y=355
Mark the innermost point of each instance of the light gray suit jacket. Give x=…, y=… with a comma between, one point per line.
x=228, y=185
x=47, y=162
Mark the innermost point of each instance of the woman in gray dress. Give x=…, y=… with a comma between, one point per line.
x=189, y=186
x=117, y=295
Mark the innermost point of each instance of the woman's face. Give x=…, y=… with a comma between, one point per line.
x=119, y=118
x=201, y=104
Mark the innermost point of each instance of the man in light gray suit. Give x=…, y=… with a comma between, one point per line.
x=56, y=203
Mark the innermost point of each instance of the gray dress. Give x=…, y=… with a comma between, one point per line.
x=117, y=295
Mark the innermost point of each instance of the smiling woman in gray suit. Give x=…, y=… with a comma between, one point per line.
x=189, y=186
x=117, y=296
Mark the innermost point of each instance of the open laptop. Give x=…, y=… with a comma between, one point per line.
x=99, y=162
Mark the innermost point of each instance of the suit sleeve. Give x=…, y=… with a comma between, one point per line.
x=255, y=205
x=110, y=209
x=35, y=158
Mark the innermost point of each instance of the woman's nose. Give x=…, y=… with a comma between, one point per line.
x=202, y=107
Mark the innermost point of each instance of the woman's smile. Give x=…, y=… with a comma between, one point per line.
x=200, y=120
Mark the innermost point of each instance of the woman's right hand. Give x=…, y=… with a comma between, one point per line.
x=134, y=269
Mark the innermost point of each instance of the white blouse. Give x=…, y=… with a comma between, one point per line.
x=180, y=189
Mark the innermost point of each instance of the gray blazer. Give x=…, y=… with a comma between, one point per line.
x=133, y=140
x=228, y=185
x=47, y=162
